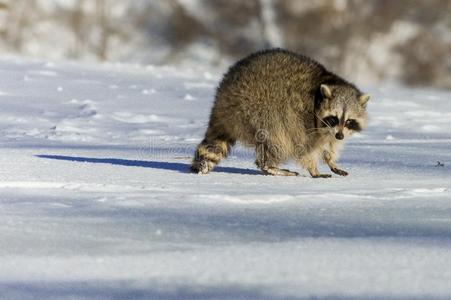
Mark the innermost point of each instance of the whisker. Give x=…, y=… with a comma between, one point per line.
x=315, y=129
x=318, y=130
x=322, y=121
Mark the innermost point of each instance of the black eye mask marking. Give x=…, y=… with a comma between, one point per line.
x=331, y=121
x=352, y=124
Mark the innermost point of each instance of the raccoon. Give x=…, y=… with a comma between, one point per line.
x=287, y=106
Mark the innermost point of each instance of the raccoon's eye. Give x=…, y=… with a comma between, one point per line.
x=353, y=125
x=331, y=121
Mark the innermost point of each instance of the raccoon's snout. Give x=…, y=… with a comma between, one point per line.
x=339, y=136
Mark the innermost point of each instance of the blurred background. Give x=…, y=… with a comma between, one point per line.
x=368, y=41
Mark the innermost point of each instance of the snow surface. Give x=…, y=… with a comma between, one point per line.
x=96, y=201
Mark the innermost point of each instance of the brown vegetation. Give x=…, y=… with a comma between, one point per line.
x=408, y=41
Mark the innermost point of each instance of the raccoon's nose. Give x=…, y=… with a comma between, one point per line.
x=339, y=136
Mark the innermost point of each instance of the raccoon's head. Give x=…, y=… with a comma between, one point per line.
x=342, y=110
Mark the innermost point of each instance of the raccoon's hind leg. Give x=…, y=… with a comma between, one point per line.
x=210, y=152
x=268, y=159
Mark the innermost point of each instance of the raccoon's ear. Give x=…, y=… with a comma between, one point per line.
x=325, y=91
x=363, y=99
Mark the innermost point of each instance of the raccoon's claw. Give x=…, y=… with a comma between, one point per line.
x=278, y=172
x=322, y=176
x=286, y=172
x=339, y=172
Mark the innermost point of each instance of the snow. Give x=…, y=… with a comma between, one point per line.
x=96, y=201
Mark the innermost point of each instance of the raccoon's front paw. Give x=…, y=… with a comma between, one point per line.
x=339, y=172
x=278, y=172
x=322, y=176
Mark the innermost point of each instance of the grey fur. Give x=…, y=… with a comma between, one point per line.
x=280, y=102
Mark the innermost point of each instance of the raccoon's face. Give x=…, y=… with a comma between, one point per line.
x=342, y=111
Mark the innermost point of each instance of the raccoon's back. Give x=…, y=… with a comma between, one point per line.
x=273, y=72
x=266, y=87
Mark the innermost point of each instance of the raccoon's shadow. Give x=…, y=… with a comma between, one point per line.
x=162, y=165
